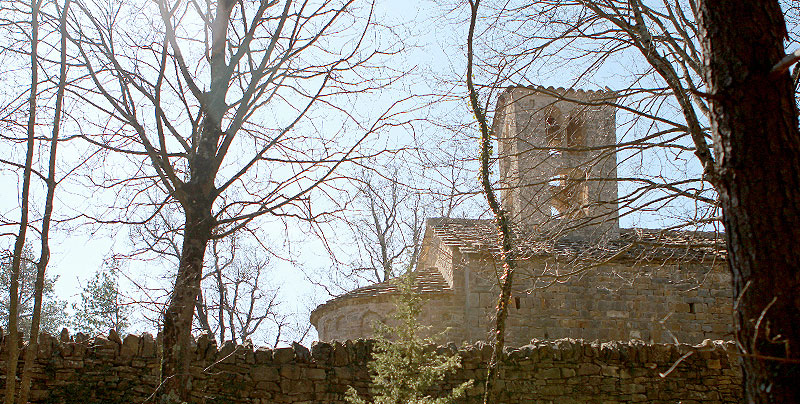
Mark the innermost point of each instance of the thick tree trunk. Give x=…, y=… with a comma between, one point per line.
x=177, y=333
x=757, y=148
x=197, y=198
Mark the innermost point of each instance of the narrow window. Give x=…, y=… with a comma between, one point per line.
x=516, y=302
x=576, y=135
x=570, y=196
x=553, y=129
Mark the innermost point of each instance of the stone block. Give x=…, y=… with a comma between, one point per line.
x=130, y=346
x=263, y=356
x=314, y=374
x=549, y=373
x=265, y=374
x=587, y=369
x=147, y=346
x=283, y=355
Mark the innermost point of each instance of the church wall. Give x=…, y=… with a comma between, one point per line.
x=354, y=318
x=114, y=371
x=651, y=302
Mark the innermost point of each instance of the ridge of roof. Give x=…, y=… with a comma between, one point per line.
x=562, y=91
x=480, y=236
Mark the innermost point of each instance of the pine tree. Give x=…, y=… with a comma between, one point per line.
x=100, y=308
x=404, y=367
x=52, y=307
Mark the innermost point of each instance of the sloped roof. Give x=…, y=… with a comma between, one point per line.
x=481, y=236
x=427, y=281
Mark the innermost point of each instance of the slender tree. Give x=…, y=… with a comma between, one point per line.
x=51, y=181
x=12, y=342
x=503, y=222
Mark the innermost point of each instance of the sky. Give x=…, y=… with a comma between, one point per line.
x=80, y=250
x=435, y=56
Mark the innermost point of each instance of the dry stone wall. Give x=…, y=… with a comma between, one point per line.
x=113, y=370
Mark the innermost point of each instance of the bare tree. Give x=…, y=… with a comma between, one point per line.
x=51, y=179
x=13, y=333
x=215, y=108
x=500, y=215
x=678, y=97
x=383, y=228
x=237, y=303
x=388, y=230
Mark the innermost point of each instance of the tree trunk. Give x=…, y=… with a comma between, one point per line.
x=505, y=236
x=44, y=255
x=12, y=342
x=177, y=334
x=757, y=146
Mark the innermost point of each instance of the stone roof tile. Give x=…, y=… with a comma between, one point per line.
x=480, y=236
x=426, y=281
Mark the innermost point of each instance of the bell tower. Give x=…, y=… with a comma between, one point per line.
x=558, y=165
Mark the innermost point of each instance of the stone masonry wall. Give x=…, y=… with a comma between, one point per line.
x=112, y=370
x=658, y=302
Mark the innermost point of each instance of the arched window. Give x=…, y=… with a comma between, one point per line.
x=576, y=133
x=554, y=123
x=569, y=194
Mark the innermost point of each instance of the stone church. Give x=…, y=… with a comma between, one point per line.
x=579, y=274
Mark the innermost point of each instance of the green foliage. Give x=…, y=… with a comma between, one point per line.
x=403, y=369
x=100, y=308
x=52, y=308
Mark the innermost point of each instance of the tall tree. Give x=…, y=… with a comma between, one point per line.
x=501, y=218
x=728, y=74
x=757, y=173
x=215, y=106
x=51, y=181
x=16, y=263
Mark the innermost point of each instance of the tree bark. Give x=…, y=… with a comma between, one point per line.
x=177, y=334
x=757, y=147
